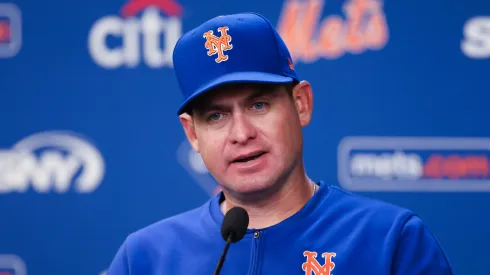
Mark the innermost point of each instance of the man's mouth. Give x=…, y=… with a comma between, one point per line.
x=249, y=157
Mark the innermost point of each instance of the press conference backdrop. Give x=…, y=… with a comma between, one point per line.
x=91, y=148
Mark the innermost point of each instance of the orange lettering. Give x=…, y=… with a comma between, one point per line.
x=477, y=166
x=456, y=166
x=296, y=26
x=433, y=167
x=376, y=35
x=313, y=266
x=453, y=167
x=364, y=28
x=355, y=11
x=217, y=45
x=330, y=40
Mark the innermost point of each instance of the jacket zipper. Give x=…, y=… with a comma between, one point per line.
x=255, y=254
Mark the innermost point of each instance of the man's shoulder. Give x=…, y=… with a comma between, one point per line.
x=394, y=231
x=163, y=243
x=350, y=199
x=189, y=222
x=368, y=210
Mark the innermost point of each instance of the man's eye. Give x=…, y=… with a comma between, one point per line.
x=215, y=116
x=258, y=105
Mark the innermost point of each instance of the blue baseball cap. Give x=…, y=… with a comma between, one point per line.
x=236, y=48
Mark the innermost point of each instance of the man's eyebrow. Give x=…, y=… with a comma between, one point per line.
x=209, y=106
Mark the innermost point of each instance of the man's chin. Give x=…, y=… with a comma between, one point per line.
x=248, y=188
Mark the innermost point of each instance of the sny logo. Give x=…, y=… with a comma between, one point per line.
x=217, y=45
x=313, y=266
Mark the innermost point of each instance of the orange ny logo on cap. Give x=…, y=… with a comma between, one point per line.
x=217, y=45
x=312, y=266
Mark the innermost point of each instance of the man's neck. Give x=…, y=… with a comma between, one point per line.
x=278, y=206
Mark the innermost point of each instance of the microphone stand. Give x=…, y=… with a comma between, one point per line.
x=223, y=255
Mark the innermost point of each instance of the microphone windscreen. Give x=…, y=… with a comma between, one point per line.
x=235, y=222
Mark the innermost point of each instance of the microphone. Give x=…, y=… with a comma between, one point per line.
x=234, y=227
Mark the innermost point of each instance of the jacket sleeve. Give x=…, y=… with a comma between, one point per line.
x=418, y=252
x=120, y=264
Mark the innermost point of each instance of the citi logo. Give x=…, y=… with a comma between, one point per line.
x=141, y=34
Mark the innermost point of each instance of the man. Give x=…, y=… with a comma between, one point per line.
x=244, y=110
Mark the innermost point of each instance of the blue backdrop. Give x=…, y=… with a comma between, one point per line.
x=91, y=148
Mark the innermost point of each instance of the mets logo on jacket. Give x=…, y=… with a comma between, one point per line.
x=313, y=266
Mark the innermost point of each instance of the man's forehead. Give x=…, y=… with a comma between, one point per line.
x=236, y=92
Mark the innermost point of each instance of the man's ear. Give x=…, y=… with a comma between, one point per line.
x=188, y=124
x=303, y=99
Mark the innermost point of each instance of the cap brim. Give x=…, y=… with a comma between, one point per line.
x=238, y=77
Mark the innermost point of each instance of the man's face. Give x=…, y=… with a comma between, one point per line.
x=249, y=136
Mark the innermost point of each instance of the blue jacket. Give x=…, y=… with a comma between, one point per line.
x=336, y=232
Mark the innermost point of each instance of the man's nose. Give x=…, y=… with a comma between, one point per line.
x=241, y=130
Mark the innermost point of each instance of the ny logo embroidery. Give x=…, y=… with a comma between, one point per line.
x=313, y=266
x=217, y=45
